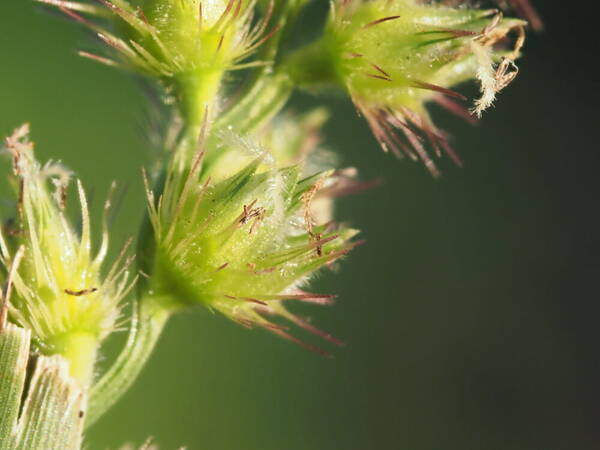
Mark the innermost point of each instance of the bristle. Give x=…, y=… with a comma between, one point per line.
x=247, y=299
x=97, y=58
x=440, y=89
x=221, y=267
x=347, y=187
x=303, y=323
x=321, y=299
x=303, y=344
x=380, y=21
x=75, y=6
x=455, y=108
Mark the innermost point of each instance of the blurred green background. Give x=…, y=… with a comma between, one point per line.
x=470, y=315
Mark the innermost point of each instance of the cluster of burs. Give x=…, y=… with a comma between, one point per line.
x=240, y=200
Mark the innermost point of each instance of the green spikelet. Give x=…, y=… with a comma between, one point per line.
x=243, y=246
x=393, y=57
x=186, y=45
x=59, y=292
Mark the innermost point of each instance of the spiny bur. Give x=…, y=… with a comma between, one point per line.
x=244, y=245
x=58, y=290
x=392, y=57
x=187, y=45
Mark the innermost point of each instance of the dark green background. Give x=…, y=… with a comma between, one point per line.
x=470, y=315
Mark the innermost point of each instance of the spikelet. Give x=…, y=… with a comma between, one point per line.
x=58, y=290
x=244, y=245
x=186, y=45
x=394, y=56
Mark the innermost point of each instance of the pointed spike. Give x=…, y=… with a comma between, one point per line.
x=76, y=17
x=75, y=6
x=303, y=344
x=85, y=244
x=456, y=108
x=378, y=77
x=115, y=267
x=303, y=323
x=349, y=187
x=247, y=299
x=379, y=21
x=440, y=89
x=271, y=326
x=224, y=15
x=320, y=299
x=97, y=58
x=222, y=266
x=105, y=235
x=380, y=70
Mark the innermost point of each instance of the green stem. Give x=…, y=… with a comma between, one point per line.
x=267, y=90
x=147, y=324
x=80, y=349
x=313, y=65
x=267, y=97
x=259, y=105
x=198, y=92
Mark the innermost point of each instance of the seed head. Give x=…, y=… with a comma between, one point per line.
x=58, y=291
x=165, y=38
x=243, y=246
x=395, y=56
x=185, y=44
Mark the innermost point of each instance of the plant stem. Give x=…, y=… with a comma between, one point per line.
x=147, y=323
x=267, y=90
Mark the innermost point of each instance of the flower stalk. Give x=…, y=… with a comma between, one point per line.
x=147, y=323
